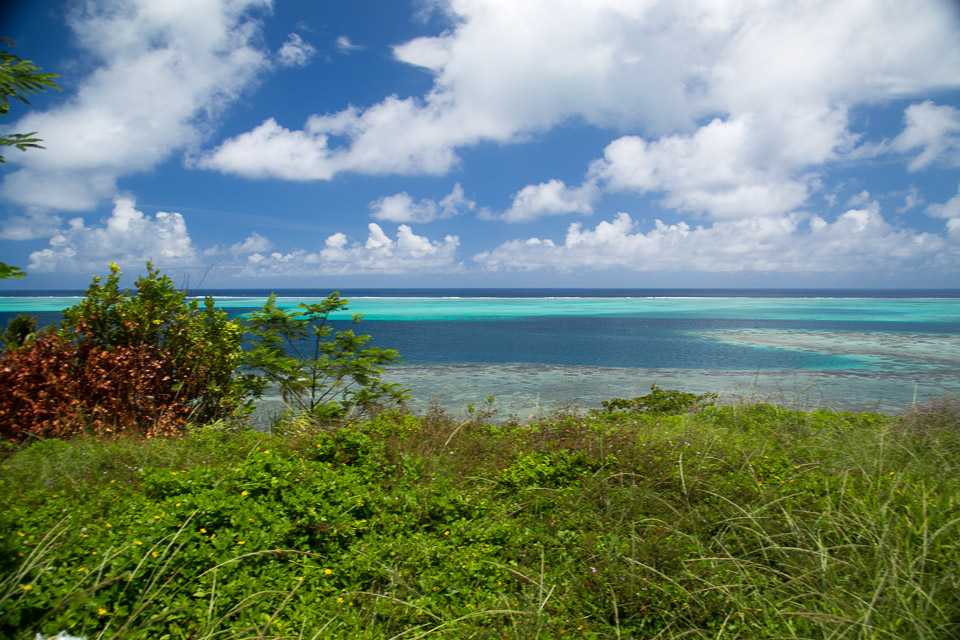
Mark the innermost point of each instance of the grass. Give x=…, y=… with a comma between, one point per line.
x=748, y=521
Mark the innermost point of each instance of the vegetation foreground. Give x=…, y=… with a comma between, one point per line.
x=135, y=504
x=732, y=522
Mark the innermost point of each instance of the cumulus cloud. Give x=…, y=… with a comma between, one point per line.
x=295, y=52
x=397, y=136
x=934, y=130
x=779, y=76
x=857, y=239
x=402, y=208
x=164, y=69
x=380, y=254
x=719, y=170
x=950, y=210
x=549, y=198
x=127, y=236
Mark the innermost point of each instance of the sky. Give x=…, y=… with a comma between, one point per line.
x=488, y=143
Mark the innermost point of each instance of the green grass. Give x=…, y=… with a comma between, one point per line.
x=735, y=522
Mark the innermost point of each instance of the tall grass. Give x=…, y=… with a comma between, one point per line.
x=748, y=521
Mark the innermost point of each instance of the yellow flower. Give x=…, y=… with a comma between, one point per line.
x=154, y=554
x=101, y=611
x=203, y=530
x=243, y=493
x=241, y=542
x=339, y=599
x=327, y=572
x=27, y=587
x=137, y=542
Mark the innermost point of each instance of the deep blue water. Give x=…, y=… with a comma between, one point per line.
x=859, y=348
x=645, y=328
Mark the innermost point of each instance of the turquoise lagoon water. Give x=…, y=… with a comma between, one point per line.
x=534, y=350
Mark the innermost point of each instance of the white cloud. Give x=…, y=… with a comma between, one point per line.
x=859, y=199
x=787, y=72
x=295, y=52
x=165, y=69
x=380, y=254
x=254, y=243
x=950, y=210
x=858, y=239
x=127, y=237
x=911, y=200
x=551, y=198
x=721, y=170
x=38, y=223
x=401, y=207
x=935, y=130
x=394, y=137
x=345, y=46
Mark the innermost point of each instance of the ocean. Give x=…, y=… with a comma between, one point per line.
x=535, y=350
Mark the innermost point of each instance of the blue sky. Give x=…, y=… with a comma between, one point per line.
x=624, y=143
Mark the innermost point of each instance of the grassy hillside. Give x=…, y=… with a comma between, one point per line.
x=734, y=522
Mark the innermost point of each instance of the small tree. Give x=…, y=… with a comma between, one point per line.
x=322, y=374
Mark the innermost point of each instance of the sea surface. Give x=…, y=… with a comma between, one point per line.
x=534, y=350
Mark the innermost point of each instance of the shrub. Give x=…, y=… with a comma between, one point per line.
x=661, y=402
x=145, y=362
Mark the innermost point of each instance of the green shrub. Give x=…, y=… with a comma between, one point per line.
x=20, y=330
x=660, y=402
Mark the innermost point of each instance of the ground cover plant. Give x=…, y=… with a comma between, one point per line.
x=748, y=521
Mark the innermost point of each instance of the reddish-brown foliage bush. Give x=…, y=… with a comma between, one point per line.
x=55, y=388
x=124, y=362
